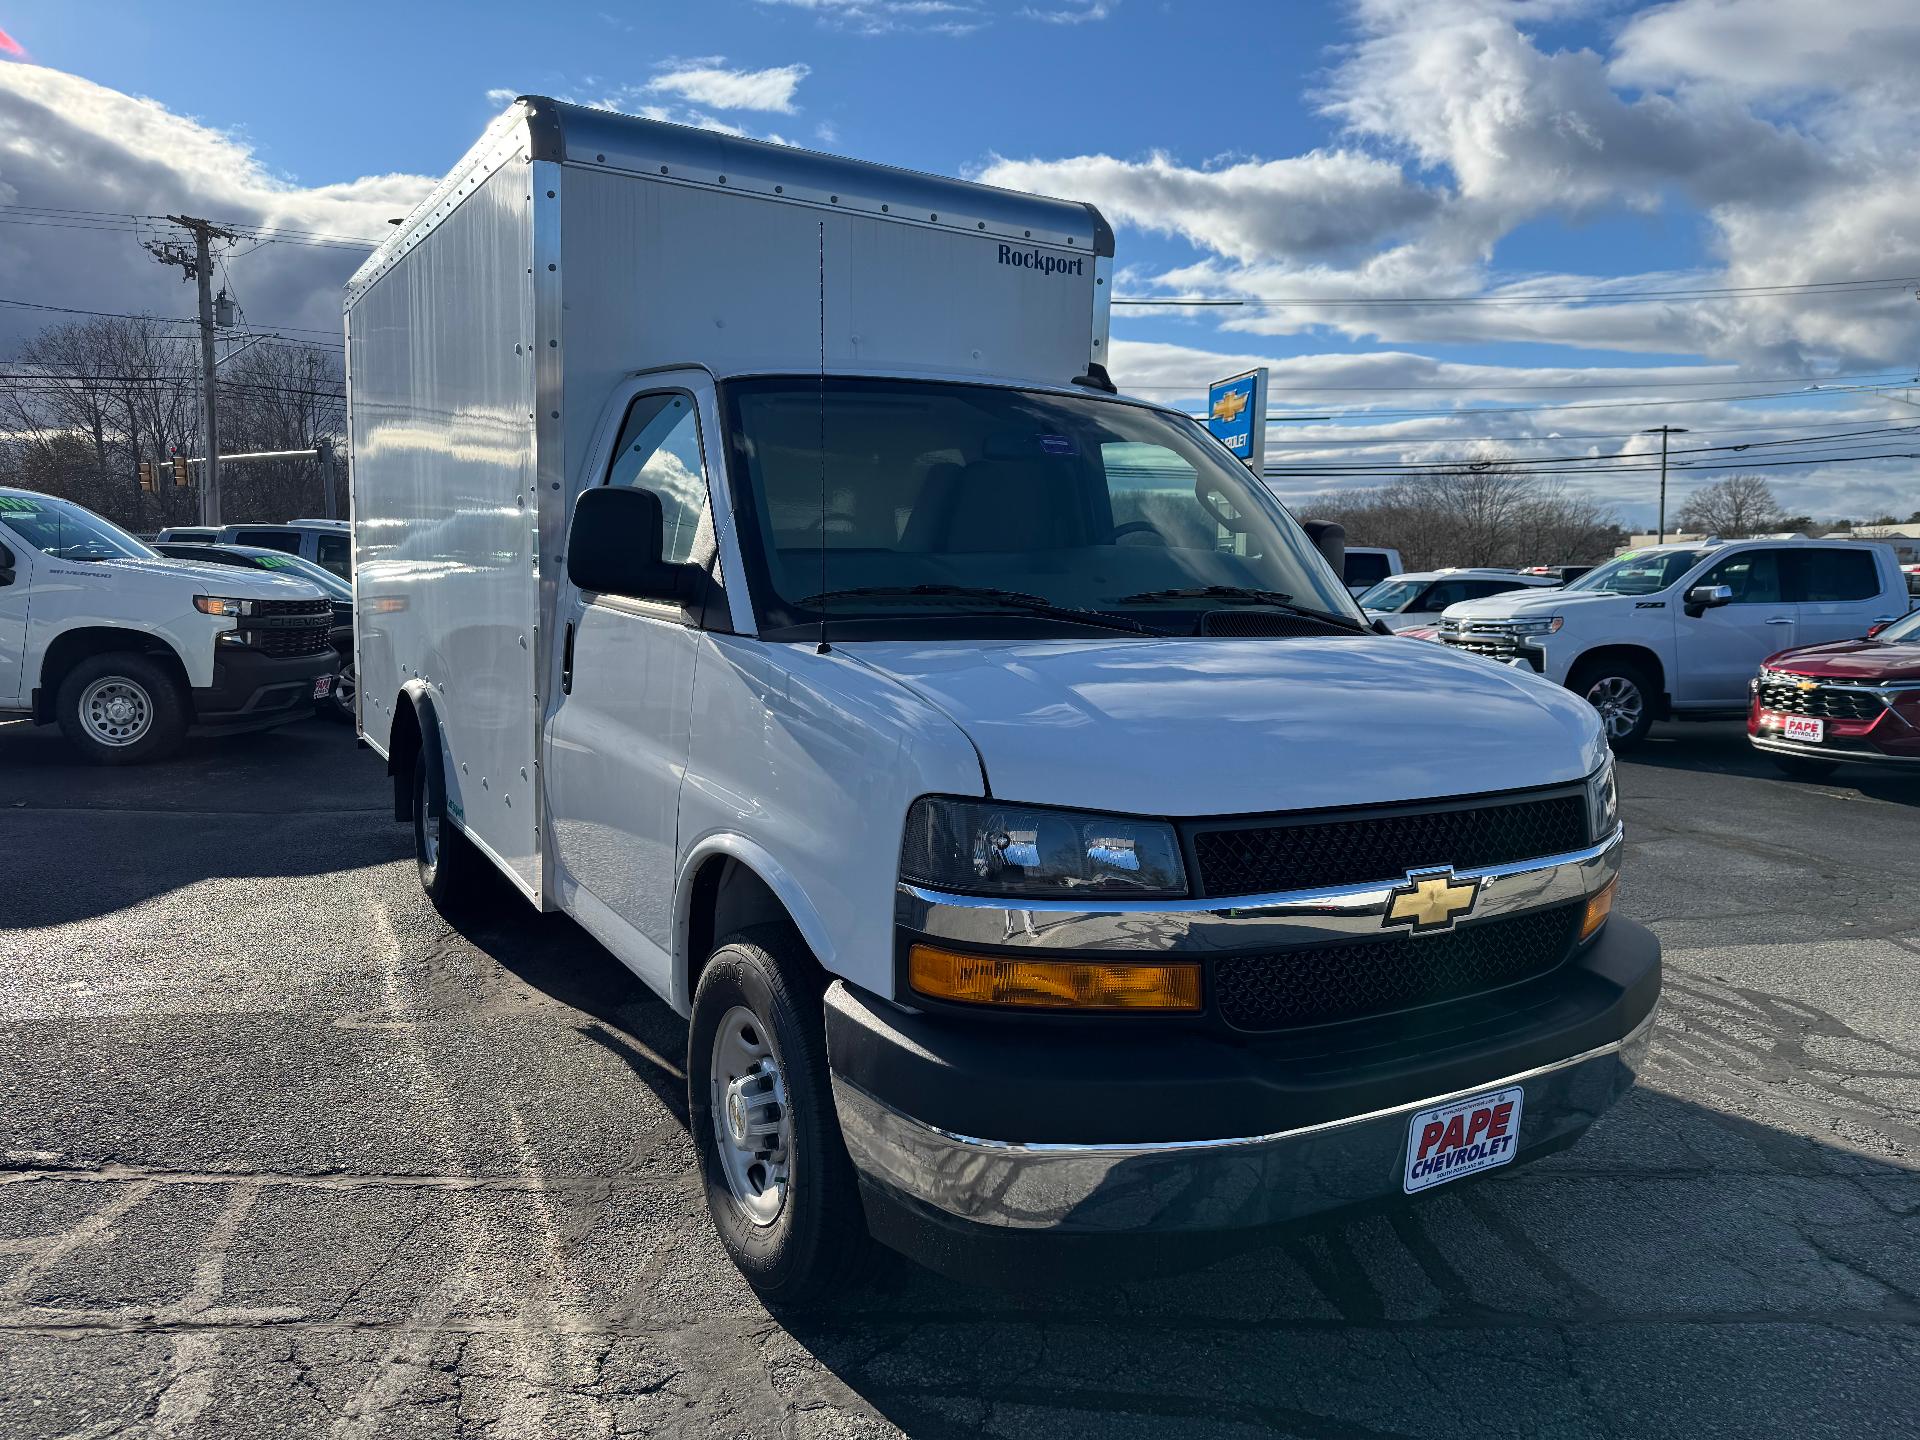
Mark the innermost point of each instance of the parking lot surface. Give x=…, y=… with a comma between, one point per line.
x=282, y=1154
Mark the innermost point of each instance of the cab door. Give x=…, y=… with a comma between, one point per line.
x=16, y=583
x=618, y=733
x=1838, y=594
x=1719, y=650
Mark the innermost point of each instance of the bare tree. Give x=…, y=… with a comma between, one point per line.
x=1492, y=514
x=1733, y=508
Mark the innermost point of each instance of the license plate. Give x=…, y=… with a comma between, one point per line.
x=1802, y=727
x=322, y=687
x=1463, y=1137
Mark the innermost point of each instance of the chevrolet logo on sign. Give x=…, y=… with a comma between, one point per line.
x=1431, y=901
x=1229, y=405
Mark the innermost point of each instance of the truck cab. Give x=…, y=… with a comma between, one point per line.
x=1679, y=629
x=128, y=651
x=1044, y=849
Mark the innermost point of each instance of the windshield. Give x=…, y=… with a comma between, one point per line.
x=1907, y=629
x=64, y=531
x=932, y=506
x=1393, y=596
x=305, y=569
x=1639, y=573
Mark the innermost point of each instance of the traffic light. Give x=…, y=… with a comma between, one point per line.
x=180, y=475
x=146, y=475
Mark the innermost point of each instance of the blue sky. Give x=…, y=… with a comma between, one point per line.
x=1336, y=151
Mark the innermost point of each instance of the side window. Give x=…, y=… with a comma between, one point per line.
x=334, y=554
x=1443, y=593
x=1480, y=589
x=1366, y=569
x=1752, y=575
x=1830, y=575
x=659, y=450
x=286, y=540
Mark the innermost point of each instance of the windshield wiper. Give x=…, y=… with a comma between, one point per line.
x=1011, y=599
x=1278, y=599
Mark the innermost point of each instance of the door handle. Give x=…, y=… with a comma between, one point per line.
x=566, y=662
x=1781, y=620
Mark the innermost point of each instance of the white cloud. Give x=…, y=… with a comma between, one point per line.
x=1078, y=13
x=1326, y=201
x=1774, y=47
x=67, y=142
x=711, y=84
x=880, y=17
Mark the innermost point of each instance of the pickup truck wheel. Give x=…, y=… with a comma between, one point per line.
x=1801, y=767
x=1624, y=698
x=449, y=866
x=760, y=1108
x=339, y=702
x=121, y=708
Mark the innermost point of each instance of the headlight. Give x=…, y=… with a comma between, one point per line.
x=1547, y=626
x=982, y=847
x=1603, y=802
x=221, y=605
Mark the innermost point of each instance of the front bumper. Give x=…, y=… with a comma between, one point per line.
x=251, y=690
x=1135, y=1128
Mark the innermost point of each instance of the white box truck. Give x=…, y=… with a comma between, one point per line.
x=755, y=564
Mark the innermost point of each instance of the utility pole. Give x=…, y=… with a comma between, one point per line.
x=198, y=265
x=1663, y=432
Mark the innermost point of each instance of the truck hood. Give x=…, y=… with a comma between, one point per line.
x=233, y=580
x=1221, y=727
x=1516, y=603
x=1862, y=661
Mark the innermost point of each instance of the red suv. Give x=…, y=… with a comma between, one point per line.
x=1857, y=700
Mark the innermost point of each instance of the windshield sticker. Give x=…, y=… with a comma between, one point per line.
x=1057, y=445
x=11, y=506
x=272, y=562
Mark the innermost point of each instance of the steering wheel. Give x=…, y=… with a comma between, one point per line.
x=1138, y=527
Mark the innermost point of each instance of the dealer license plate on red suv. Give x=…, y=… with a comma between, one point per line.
x=1802, y=727
x=1463, y=1137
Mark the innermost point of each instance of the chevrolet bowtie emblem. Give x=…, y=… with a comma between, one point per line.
x=1229, y=405
x=1806, y=685
x=1431, y=900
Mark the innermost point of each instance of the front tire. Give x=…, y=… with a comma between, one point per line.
x=1623, y=696
x=121, y=708
x=339, y=702
x=779, y=1185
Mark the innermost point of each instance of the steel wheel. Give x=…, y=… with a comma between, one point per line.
x=116, y=710
x=753, y=1129
x=1620, y=703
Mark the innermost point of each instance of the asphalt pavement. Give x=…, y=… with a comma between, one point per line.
x=282, y=1154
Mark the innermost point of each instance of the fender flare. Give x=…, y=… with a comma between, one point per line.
x=771, y=873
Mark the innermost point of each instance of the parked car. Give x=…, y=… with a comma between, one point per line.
x=1365, y=566
x=1913, y=582
x=1678, y=630
x=127, y=650
x=328, y=543
x=339, y=701
x=1038, y=839
x=1561, y=573
x=1852, y=701
x=187, y=533
x=1404, y=601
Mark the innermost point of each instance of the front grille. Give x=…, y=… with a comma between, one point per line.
x=283, y=644
x=1494, y=647
x=322, y=606
x=1377, y=977
x=1355, y=848
x=1785, y=697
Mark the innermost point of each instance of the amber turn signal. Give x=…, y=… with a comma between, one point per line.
x=1052, y=984
x=1599, y=906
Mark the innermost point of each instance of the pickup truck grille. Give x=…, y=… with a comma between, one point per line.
x=1494, y=647
x=1783, y=696
x=1256, y=858
x=1347, y=981
x=287, y=628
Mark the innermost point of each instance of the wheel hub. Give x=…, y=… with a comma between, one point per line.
x=752, y=1123
x=115, y=710
x=1619, y=703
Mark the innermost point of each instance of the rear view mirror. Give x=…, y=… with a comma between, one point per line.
x=616, y=546
x=1703, y=598
x=1330, y=539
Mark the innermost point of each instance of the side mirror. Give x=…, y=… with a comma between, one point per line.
x=1703, y=598
x=1330, y=539
x=616, y=544
x=1877, y=626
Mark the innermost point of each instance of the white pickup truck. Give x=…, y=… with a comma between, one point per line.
x=128, y=651
x=754, y=563
x=1678, y=630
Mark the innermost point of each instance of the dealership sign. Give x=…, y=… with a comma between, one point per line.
x=1237, y=415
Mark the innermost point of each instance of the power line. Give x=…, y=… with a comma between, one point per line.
x=1824, y=288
